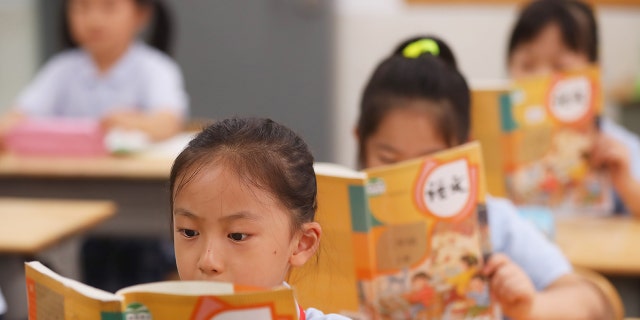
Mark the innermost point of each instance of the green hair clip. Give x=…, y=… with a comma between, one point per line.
x=418, y=47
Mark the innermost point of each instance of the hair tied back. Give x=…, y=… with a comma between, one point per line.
x=419, y=47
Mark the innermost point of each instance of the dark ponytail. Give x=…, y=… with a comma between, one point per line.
x=161, y=33
x=160, y=30
x=419, y=68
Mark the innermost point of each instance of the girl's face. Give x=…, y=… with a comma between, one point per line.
x=404, y=133
x=103, y=25
x=545, y=54
x=227, y=230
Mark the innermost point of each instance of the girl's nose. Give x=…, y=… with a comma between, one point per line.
x=210, y=262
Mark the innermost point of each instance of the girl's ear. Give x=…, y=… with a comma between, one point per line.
x=356, y=134
x=308, y=241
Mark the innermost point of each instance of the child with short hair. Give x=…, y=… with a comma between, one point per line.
x=106, y=73
x=243, y=202
x=416, y=103
x=557, y=35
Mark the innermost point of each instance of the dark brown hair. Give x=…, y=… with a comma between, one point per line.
x=262, y=153
x=575, y=18
x=398, y=79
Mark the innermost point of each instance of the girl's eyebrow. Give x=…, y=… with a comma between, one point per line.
x=241, y=215
x=185, y=213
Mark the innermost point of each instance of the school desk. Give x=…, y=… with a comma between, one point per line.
x=30, y=226
x=137, y=183
x=608, y=245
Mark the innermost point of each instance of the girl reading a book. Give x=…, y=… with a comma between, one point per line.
x=559, y=35
x=243, y=200
x=416, y=103
x=106, y=73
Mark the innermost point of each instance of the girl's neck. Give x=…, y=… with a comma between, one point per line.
x=106, y=59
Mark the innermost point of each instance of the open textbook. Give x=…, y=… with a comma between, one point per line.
x=549, y=127
x=52, y=296
x=405, y=241
x=537, y=134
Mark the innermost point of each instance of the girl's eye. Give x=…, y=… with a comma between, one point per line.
x=237, y=237
x=188, y=233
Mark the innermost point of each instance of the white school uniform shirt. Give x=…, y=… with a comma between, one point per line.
x=3, y=304
x=70, y=85
x=524, y=244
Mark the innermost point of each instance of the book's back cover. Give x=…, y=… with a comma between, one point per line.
x=329, y=282
x=486, y=99
x=276, y=304
x=427, y=233
x=549, y=128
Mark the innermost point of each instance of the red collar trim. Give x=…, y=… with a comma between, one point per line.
x=302, y=315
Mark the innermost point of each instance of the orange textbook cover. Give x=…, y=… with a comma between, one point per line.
x=419, y=237
x=486, y=98
x=549, y=125
x=52, y=296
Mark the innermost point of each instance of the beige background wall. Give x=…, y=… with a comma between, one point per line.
x=18, y=47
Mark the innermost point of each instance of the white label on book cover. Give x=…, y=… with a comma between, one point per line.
x=263, y=313
x=570, y=99
x=535, y=115
x=447, y=189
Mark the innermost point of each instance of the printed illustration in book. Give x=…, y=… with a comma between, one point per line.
x=549, y=126
x=52, y=296
x=420, y=237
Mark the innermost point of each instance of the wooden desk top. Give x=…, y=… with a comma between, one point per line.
x=609, y=245
x=126, y=167
x=29, y=225
x=154, y=163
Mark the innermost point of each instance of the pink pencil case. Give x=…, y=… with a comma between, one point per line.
x=57, y=137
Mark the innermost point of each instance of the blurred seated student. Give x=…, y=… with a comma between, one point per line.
x=417, y=103
x=3, y=306
x=107, y=73
x=556, y=35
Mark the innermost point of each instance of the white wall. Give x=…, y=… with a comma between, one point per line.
x=367, y=30
x=19, y=48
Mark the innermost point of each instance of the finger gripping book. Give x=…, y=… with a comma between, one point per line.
x=52, y=296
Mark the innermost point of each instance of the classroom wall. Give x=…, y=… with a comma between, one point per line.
x=19, y=50
x=362, y=33
x=367, y=30
x=239, y=58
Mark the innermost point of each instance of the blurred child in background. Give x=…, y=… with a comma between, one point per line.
x=416, y=103
x=557, y=35
x=107, y=73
